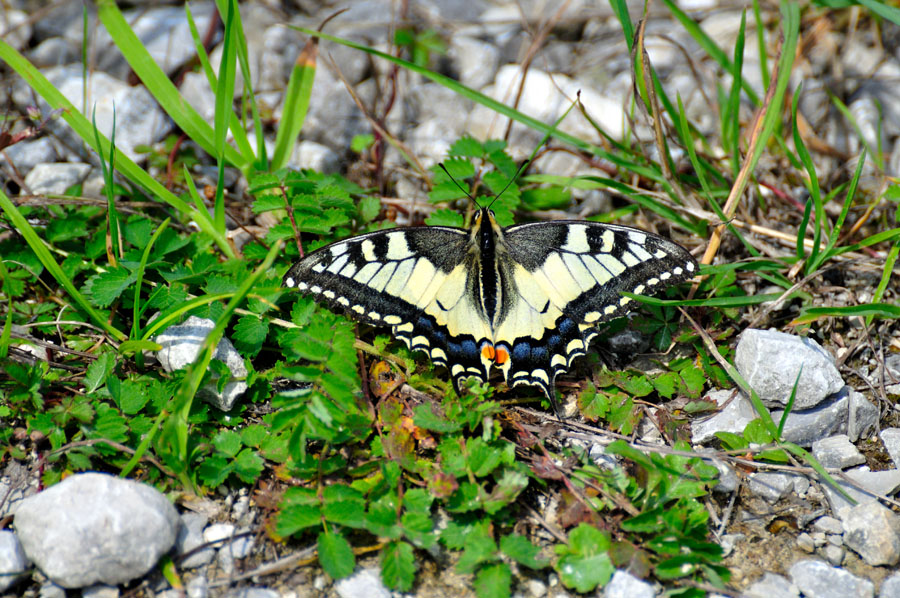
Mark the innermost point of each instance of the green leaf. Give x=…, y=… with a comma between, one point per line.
x=214, y=471
x=521, y=550
x=368, y=208
x=249, y=334
x=466, y=147
x=493, y=581
x=130, y=396
x=482, y=458
x=97, y=372
x=227, y=442
x=425, y=417
x=584, y=573
x=479, y=548
x=756, y=432
x=593, y=405
x=104, y=288
x=445, y=217
x=248, y=465
x=398, y=566
x=335, y=555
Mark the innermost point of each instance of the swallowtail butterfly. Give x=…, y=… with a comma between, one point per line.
x=525, y=299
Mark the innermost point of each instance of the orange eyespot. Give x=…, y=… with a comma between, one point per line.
x=488, y=352
x=502, y=356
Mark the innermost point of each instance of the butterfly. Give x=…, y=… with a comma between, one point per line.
x=525, y=299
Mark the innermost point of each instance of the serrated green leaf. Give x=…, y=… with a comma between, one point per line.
x=732, y=441
x=425, y=417
x=349, y=513
x=335, y=555
x=493, y=581
x=248, y=465
x=398, y=566
x=592, y=404
x=97, y=372
x=482, y=457
x=130, y=396
x=296, y=518
x=666, y=384
x=214, y=471
x=227, y=442
x=521, y=550
x=368, y=208
x=479, y=548
x=249, y=334
x=756, y=432
x=106, y=287
x=466, y=147
x=445, y=217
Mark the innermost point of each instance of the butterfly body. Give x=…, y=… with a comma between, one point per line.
x=525, y=299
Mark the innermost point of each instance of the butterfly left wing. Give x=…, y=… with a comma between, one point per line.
x=416, y=280
x=567, y=277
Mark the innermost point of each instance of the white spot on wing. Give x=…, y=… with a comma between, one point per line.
x=600, y=274
x=367, y=272
x=576, y=239
x=637, y=237
x=368, y=250
x=348, y=271
x=398, y=248
x=592, y=316
x=337, y=264
x=338, y=249
x=641, y=253
x=343, y=301
x=320, y=267
x=392, y=320
x=329, y=294
x=630, y=259
x=380, y=280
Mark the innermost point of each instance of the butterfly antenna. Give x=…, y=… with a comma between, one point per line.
x=511, y=181
x=455, y=182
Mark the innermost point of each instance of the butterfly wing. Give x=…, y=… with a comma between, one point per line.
x=416, y=280
x=567, y=277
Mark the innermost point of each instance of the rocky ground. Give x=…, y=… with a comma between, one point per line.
x=787, y=532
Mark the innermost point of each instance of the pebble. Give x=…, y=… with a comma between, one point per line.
x=772, y=585
x=871, y=530
x=890, y=437
x=363, y=583
x=626, y=585
x=13, y=562
x=770, y=361
x=771, y=486
x=95, y=528
x=253, y=593
x=847, y=412
x=190, y=536
x=833, y=554
x=837, y=451
x=817, y=578
x=180, y=345
x=55, y=178
x=829, y=525
x=806, y=543
x=873, y=483
x=890, y=587
x=736, y=412
x=100, y=591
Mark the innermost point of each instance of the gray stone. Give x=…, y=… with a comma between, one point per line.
x=829, y=525
x=238, y=548
x=536, y=588
x=817, y=578
x=309, y=154
x=833, y=554
x=363, y=583
x=54, y=51
x=890, y=587
x=100, y=591
x=180, y=345
x=476, y=61
x=190, y=537
x=253, y=593
x=626, y=585
x=198, y=587
x=890, y=437
x=51, y=590
x=848, y=412
x=866, y=486
x=139, y=119
x=15, y=26
x=806, y=543
x=54, y=178
x=871, y=530
x=729, y=541
x=96, y=528
x=736, y=412
x=770, y=361
x=771, y=486
x=772, y=586
x=13, y=562
x=27, y=154
x=837, y=451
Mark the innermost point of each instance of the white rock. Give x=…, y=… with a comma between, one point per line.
x=736, y=412
x=626, y=585
x=364, y=583
x=13, y=562
x=819, y=579
x=772, y=586
x=871, y=530
x=95, y=528
x=837, y=451
x=770, y=362
x=55, y=178
x=180, y=345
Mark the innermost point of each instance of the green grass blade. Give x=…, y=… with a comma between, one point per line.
x=21, y=225
x=84, y=130
x=296, y=104
x=886, y=274
x=709, y=46
x=158, y=84
x=761, y=44
x=109, y=189
x=620, y=9
x=726, y=301
x=790, y=405
x=875, y=310
x=839, y=223
x=891, y=13
x=145, y=257
x=815, y=194
x=731, y=114
x=224, y=96
x=237, y=131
